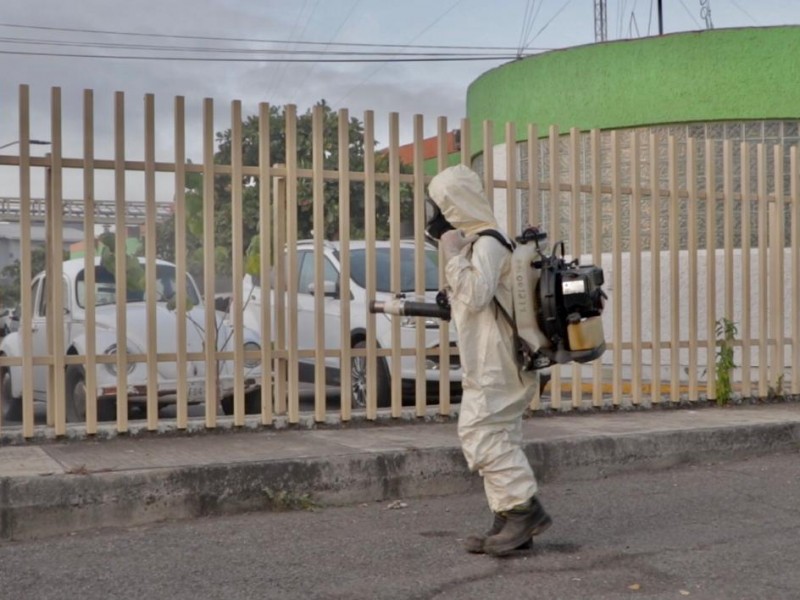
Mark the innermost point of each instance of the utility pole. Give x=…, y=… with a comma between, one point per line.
x=660, y=18
x=600, y=21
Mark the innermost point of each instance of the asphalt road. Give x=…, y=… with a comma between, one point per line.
x=722, y=531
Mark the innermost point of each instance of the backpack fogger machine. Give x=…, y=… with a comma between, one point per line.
x=557, y=308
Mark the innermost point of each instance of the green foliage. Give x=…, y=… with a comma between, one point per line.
x=251, y=190
x=726, y=331
x=10, y=292
x=135, y=279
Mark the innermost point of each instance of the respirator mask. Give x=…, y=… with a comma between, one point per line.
x=435, y=223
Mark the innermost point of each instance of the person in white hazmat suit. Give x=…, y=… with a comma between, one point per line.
x=495, y=391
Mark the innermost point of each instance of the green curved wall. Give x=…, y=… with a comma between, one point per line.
x=726, y=74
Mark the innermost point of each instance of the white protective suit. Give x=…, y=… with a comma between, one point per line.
x=495, y=392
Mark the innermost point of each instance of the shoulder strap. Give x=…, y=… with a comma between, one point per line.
x=493, y=233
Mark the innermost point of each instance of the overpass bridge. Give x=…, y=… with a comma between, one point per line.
x=73, y=211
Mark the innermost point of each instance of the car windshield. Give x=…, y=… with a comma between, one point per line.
x=358, y=269
x=105, y=287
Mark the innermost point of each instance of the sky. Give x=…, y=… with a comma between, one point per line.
x=432, y=89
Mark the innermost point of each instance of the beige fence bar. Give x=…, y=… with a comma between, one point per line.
x=237, y=268
x=616, y=258
x=25, y=266
x=655, y=270
x=575, y=240
x=794, y=194
x=369, y=237
x=346, y=375
x=692, y=246
x=150, y=260
x=265, y=263
x=318, y=217
x=597, y=248
x=121, y=285
x=636, y=271
x=419, y=262
x=290, y=114
x=89, y=364
x=763, y=296
x=711, y=269
x=728, y=224
x=182, y=407
x=512, y=227
x=56, y=306
x=444, y=326
x=211, y=394
x=394, y=240
x=746, y=327
x=554, y=233
x=675, y=280
x=534, y=211
x=778, y=244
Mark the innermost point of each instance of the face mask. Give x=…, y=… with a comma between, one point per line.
x=435, y=223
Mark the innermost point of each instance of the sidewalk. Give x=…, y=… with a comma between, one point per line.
x=63, y=486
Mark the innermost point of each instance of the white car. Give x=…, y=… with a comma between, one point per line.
x=107, y=305
x=359, y=312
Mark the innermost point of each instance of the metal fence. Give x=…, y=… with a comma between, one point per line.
x=681, y=254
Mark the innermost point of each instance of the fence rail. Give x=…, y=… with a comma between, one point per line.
x=692, y=235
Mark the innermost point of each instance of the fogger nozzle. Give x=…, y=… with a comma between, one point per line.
x=410, y=308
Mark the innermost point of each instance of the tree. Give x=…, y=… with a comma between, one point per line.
x=251, y=187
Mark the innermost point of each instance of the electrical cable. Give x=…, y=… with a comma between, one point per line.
x=546, y=25
x=396, y=59
x=254, y=40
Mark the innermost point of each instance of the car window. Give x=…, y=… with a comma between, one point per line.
x=43, y=301
x=358, y=269
x=106, y=288
x=34, y=291
x=306, y=271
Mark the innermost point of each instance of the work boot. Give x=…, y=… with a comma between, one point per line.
x=521, y=523
x=474, y=543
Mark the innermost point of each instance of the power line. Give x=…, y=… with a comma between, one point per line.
x=207, y=49
x=255, y=40
x=397, y=59
x=546, y=25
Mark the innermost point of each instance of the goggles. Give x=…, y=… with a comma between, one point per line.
x=435, y=223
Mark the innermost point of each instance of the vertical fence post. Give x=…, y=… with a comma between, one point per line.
x=182, y=410
x=266, y=260
x=236, y=307
x=150, y=262
x=675, y=280
x=420, y=258
x=534, y=215
x=597, y=248
x=575, y=239
x=394, y=240
x=636, y=271
x=25, y=266
x=763, y=298
x=346, y=358
x=794, y=197
x=711, y=269
x=746, y=329
x=554, y=233
x=121, y=285
x=318, y=216
x=369, y=242
x=655, y=269
x=56, y=306
x=90, y=360
x=777, y=272
x=692, y=217
x=209, y=256
x=290, y=113
x=616, y=255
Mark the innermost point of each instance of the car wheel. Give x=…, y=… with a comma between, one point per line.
x=252, y=403
x=358, y=374
x=76, y=398
x=11, y=407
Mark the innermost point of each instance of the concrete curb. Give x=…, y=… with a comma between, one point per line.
x=37, y=506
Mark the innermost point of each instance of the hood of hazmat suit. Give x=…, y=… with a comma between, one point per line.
x=495, y=392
